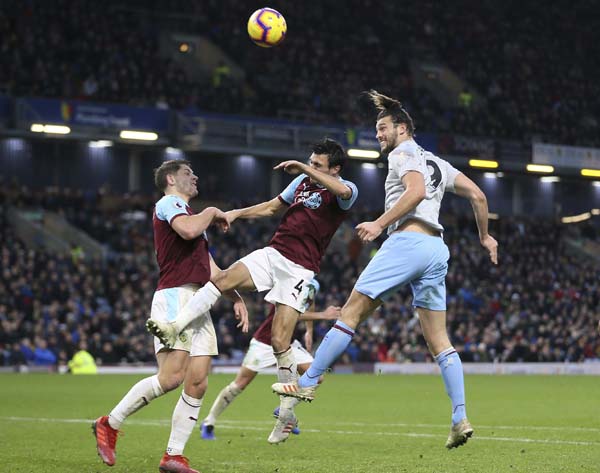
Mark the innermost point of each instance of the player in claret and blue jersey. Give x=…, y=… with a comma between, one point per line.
x=313, y=206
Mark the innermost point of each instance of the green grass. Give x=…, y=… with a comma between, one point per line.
x=358, y=423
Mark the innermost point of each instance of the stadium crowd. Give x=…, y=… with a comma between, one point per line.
x=539, y=304
x=75, y=50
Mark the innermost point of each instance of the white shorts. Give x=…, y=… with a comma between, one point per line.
x=199, y=337
x=260, y=355
x=286, y=281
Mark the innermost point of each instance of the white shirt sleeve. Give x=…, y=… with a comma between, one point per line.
x=451, y=173
x=405, y=160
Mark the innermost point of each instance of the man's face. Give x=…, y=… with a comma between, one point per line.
x=320, y=162
x=389, y=133
x=185, y=181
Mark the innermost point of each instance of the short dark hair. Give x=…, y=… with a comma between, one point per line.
x=166, y=168
x=333, y=150
x=389, y=107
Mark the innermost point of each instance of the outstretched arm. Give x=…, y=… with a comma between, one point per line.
x=265, y=209
x=333, y=184
x=412, y=196
x=189, y=227
x=239, y=306
x=466, y=188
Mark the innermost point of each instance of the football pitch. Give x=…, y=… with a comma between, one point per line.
x=357, y=423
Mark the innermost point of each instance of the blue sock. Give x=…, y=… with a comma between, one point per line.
x=333, y=345
x=452, y=372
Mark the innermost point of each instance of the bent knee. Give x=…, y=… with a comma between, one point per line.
x=170, y=381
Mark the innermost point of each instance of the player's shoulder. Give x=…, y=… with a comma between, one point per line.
x=170, y=199
x=168, y=205
x=408, y=148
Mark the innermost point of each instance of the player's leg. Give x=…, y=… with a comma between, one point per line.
x=429, y=297
x=227, y=395
x=433, y=324
x=357, y=308
x=185, y=414
x=172, y=365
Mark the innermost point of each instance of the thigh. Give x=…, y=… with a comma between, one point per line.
x=429, y=289
x=258, y=269
x=172, y=362
x=237, y=276
x=166, y=303
x=291, y=283
x=401, y=258
x=244, y=377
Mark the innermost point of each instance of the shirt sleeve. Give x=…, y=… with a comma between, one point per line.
x=451, y=173
x=345, y=204
x=287, y=195
x=170, y=207
x=406, y=160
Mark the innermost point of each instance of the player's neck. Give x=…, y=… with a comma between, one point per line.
x=183, y=197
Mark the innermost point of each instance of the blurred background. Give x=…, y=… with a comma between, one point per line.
x=95, y=95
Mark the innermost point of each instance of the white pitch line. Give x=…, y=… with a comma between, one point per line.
x=166, y=423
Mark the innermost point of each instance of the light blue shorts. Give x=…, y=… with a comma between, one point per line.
x=408, y=257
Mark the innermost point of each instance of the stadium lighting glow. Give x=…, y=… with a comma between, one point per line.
x=100, y=144
x=543, y=168
x=363, y=153
x=595, y=211
x=489, y=175
x=590, y=172
x=550, y=179
x=368, y=166
x=577, y=218
x=596, y=183
x=493, y=216
x=138, y=135
x=483, y=163
x=51, y=129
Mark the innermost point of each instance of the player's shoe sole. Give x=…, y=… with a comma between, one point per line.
x=163, y=331
x=459, y=434
x=293, y=390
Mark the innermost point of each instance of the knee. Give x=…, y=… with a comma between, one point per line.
x=279, y=342
x=197, y=387
x=170, y=381
x=437, y=343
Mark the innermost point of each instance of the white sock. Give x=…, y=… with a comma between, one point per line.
x=200, y=303
x=286, y=373
x=225, y=397
x=184, y=419
x=287, y=368
x=138, y=396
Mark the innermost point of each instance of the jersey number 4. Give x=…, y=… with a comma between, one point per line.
x=298, y=288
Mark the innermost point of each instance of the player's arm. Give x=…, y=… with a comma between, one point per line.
x=189, y=227
x=466, y=188
x=240, y=310
x=331, y=183
x=412, y=196
x=331, y=313
x=265, y=209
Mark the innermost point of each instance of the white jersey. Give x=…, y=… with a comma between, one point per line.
x=439, y=177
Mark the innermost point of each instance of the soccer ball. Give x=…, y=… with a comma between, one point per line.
x=267, y=27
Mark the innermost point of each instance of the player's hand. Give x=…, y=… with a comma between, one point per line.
x=291, y=167
x=240, y=311
x=332, y=313
x=491, y=245
x=220, y=220
x=308, y=340
x=368, y=231
x=232, y=216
